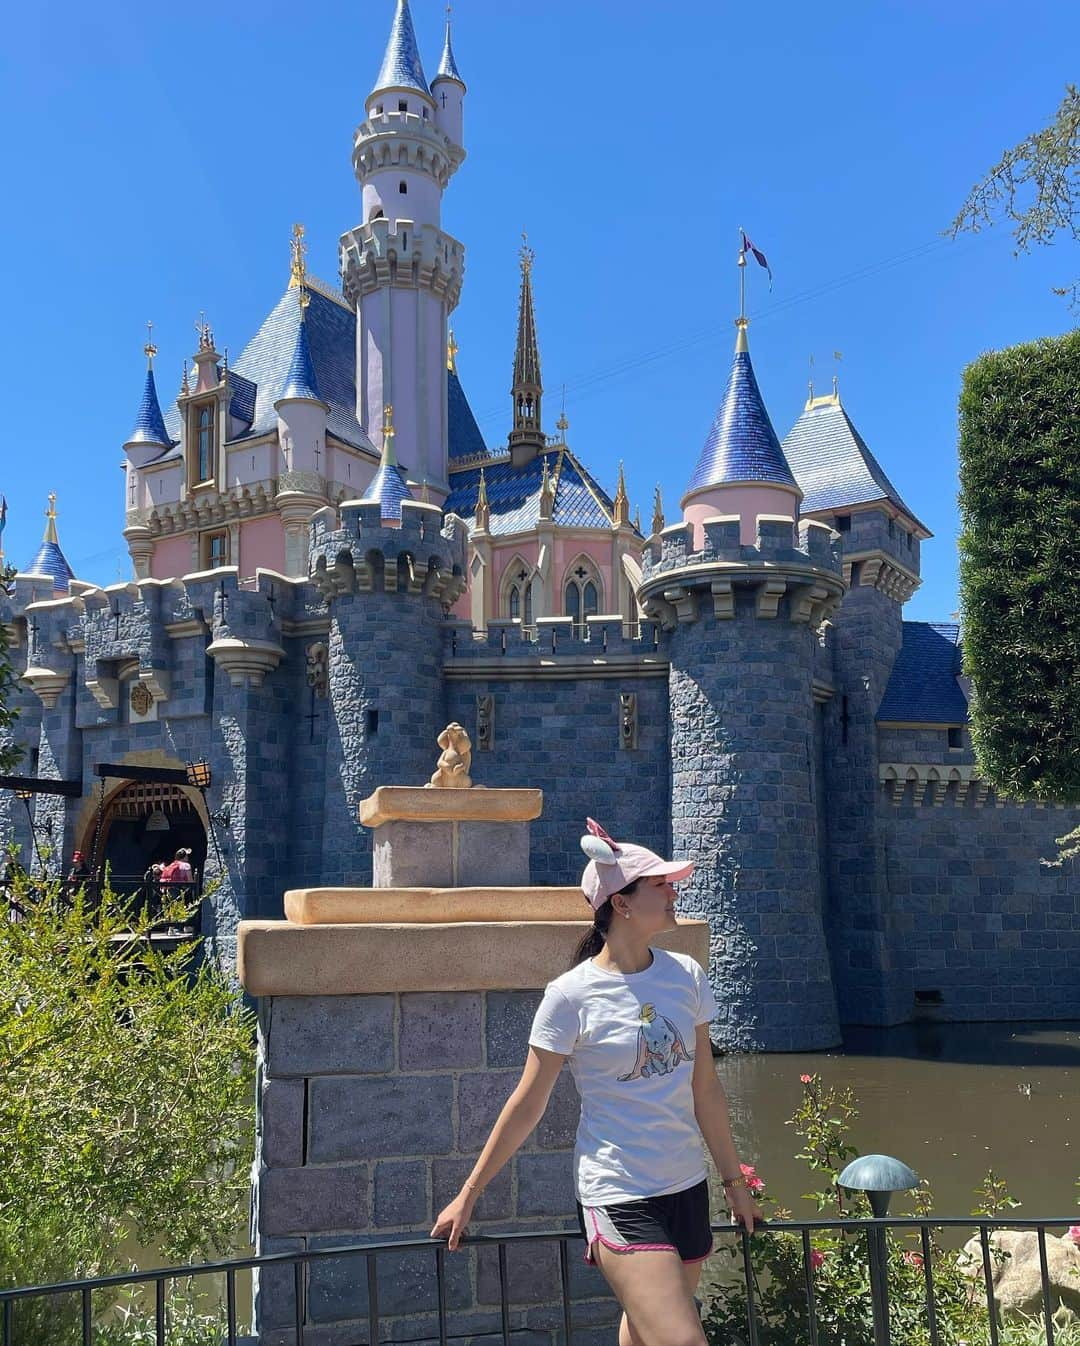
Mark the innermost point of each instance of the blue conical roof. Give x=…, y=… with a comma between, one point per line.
x=447, y=65
x=389, y=487
x=149, y=422
x=50, y=560
x=401, y=66
x=741, y=444
x=300, y=381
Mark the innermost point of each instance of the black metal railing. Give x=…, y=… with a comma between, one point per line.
x=146, y=896
x=871, y=1229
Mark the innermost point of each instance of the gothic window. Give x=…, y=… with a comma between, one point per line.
x=528, y=618
x=581, y=593
x=204, y=443
x=515, y=603
x=517, y=592
x=133, y=482
x=215, y=550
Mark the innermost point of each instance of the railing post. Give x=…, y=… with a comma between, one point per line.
x=879, y=1283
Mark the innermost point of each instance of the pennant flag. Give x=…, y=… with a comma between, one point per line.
x=759, y=256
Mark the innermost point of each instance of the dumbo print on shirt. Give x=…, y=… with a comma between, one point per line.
x=660, y=1047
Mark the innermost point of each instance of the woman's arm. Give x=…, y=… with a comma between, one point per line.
x=711, y=1112
x=520, y=1116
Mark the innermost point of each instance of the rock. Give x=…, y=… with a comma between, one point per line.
x=1017, y=1276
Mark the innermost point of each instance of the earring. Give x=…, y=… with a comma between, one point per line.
x=626, y=914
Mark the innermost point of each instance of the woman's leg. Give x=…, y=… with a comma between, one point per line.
x=692, y=1272
x=656, y=1292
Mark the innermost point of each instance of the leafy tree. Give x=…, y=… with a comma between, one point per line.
x=126, y=1105
x=1020, y=565
x=1035, y=185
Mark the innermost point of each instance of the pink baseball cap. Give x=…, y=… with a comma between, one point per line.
x=612, y=865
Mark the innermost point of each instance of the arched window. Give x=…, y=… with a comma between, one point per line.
x=205, y=443
x=517, y=592
x=515, y=603
x=581, y=592
x=403, y=188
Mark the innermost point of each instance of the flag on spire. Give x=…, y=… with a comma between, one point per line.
x=759, y=256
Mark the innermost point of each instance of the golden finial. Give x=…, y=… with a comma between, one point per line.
x=298, y=269
x=622, y=502
x=425, y=495
x=183, y=382
x=545, y=480
x=149, y=350
x=206, y=337
x=482, y=515
x=562, y=424
x=50, y=519
x=388, y=433
x=526, y=254
x=658, y=512
x=452, y=349
x=481, y=493
x=637, y=518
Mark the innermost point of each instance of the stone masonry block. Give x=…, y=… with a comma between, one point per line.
x=274, y=1287
x=357, y=1118
x=401, y=1193
x=281, y=1118
x=480, y=1100
x=406, y=1282
x=532, y=1273
x=440, y=1030
x=558, y=1126
x=509, y=1018
x=324, y=1035
x=413, y=855
x=447, y=1175
x=313, y=1200
x=545, y=1184
x=492, y=853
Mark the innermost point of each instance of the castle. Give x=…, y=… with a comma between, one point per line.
x=329, y=564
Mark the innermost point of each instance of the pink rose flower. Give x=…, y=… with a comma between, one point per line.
x=912, y=1258
x=806, y=1079
x=747, y=1170
x=817, y=1257
x=1074, y=1234
x=755, y=1185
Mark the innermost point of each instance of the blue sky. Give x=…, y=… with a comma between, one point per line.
x=157, y=157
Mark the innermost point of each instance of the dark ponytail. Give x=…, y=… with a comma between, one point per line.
x=593, y=940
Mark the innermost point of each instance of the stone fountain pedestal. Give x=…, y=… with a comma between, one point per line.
x=393, y=1025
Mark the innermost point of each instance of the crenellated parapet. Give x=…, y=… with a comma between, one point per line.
x=387, y=252
x=424, y=557
x=792, y=570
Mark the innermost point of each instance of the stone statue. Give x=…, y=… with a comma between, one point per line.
x=452, y=772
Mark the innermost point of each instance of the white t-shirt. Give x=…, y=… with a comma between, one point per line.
x=630, y=1039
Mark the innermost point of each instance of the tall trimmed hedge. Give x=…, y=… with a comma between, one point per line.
x=1020, y=565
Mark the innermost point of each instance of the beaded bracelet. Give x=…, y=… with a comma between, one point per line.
x=740, y=1181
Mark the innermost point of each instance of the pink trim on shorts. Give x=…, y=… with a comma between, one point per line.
x=622, y=1247
x=693, y=1261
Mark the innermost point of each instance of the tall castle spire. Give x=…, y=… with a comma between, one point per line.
x=527, y=435
x=401, y=65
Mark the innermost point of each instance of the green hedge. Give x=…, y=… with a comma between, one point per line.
x=1020, y=565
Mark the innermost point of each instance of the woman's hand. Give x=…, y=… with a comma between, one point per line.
x=744, y=1209
x=454, y=1220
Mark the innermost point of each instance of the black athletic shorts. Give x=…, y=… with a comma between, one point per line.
x=678, y=1222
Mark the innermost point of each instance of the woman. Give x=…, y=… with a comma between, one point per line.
x=633, y=1022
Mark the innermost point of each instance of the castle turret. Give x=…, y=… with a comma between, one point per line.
x=49, y=559
x=846, y=488
x=388, y=488
x=742, y=469
x=149, y=439
x=448, y=91
x=301, y=413
x=745, y=783
x=527, y=435
x=399, y=269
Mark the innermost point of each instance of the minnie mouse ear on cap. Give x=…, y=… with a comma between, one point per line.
x=613, y=865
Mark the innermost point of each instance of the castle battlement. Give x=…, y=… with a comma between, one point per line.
x=551, y=639
x=400, y=252
x=423, y=556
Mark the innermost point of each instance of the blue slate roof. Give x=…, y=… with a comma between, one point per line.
x=923, y=686
x=447, y=65
x=463, y=434
x=260, y=375
x=401, y=65
x=51, y=561
x=741, y=444
x=389, y=487
x=300, y=379
x=514, y=494
x=833, y=465
x=149, y=422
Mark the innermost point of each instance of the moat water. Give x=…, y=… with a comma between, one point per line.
x=950, y=1100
